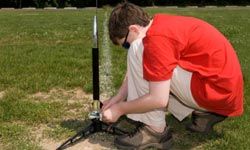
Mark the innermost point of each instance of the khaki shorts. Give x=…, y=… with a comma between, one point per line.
x=180, y=105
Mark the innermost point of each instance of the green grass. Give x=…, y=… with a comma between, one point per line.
x=15, y=107
x=42, y=51
x=17, y=136
x=45, y=49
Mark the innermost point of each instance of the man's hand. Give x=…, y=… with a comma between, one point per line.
x=107, y=103
x=113, y=100
x=111, y=114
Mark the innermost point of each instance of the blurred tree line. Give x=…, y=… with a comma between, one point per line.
x=91, y=3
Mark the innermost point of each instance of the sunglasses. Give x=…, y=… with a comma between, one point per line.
x=125, y=44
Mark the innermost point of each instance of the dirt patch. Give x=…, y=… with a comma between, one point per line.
x=98, y=141
x=76, y=95
x=40, y=95
x=2, y=94
x=84, y=145
x=38, y=131
x=77, y=103
x=70, y=96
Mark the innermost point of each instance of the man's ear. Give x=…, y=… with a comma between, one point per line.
x=134, y=28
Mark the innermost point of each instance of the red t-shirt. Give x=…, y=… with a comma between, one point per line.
x=198, y=47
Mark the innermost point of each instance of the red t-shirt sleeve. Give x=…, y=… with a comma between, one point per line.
x=159, y=58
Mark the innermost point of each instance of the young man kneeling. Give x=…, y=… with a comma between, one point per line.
x=178, y=62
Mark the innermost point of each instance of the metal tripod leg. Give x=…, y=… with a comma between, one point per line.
x=95, y=126
x=78, y=137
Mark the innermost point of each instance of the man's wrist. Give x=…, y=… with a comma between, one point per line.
x=120, y=107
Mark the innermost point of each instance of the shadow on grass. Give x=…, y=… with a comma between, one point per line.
x=98, y=139
x=184, y=139
x=75, y=124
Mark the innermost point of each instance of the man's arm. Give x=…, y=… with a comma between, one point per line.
x=156, y=98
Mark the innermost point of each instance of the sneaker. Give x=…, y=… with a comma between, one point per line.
x=144, y=137
x=203, y=122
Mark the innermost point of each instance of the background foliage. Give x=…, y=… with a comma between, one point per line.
x=91, y=3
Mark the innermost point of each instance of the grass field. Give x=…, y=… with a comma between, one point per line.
x=45, y=75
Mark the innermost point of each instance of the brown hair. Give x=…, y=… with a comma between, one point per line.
x=124, y=15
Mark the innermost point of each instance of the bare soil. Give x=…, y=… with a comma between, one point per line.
x=2, y=94
x=92, y=143
x=98, y=141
